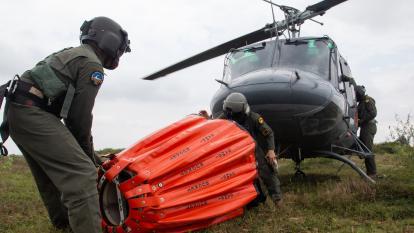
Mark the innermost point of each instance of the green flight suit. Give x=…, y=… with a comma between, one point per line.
x=366, y=114
x=263, y=135
x=59, y=155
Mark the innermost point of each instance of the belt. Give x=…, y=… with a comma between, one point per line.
x=27, y=94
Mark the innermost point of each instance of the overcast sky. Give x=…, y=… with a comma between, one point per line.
x=375, y=37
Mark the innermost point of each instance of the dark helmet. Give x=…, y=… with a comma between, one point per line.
x=235, y=107
x=360, y=92
x=108, y=36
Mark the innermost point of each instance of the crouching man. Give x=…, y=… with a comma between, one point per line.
x=236, y=108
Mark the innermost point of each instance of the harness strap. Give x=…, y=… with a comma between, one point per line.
x=67, y=102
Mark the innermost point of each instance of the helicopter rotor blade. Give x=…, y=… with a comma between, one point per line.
x=324, y=5
x=219, y=50
x=266, y=32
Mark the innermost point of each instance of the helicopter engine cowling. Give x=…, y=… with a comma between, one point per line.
x=187, y=176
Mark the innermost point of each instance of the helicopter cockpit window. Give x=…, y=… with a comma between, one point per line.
x=247, y=60
x=310, y=55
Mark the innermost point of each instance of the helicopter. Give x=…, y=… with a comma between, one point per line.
x=302, y=86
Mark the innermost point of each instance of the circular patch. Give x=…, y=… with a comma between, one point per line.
x=97, y=78
x=260, y=120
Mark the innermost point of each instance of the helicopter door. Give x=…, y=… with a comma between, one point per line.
x=348, y=91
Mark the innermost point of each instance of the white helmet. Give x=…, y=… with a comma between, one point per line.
x=236, y=103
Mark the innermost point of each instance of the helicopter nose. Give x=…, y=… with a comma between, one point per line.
x=279, y=94
x=293, y=108
x=309, y=93
x=297, y=95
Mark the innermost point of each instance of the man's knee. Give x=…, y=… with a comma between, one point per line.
x=78, y=189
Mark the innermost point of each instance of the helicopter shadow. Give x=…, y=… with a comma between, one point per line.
x=310, y=179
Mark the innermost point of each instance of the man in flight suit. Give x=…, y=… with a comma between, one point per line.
x=366, y=114
x=61, y=156
x=236, y=107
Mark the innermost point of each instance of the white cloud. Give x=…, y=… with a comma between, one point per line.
x=373, y=35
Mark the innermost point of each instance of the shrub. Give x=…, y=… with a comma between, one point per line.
x=403, y=131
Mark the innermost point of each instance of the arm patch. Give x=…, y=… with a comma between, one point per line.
x=260, y=120
x=97, y=78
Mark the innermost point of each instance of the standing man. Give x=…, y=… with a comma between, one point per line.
x=61, y=156
x=236, y=108
x=366, y=114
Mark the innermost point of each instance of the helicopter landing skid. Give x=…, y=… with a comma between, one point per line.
x=345, y=160
x=299, y=174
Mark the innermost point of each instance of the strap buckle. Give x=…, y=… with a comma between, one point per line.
x=13, y=84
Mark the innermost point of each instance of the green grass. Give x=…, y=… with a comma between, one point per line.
x=326, y=201
x=21, y=210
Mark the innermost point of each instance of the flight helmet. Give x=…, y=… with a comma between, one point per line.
x=108, y=36
x=236, y=107
x=360, y=92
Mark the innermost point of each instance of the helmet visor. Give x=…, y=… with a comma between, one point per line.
x=233, y=106
x=235, y=116
x=124, y=48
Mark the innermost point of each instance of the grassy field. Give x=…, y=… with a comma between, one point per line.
x=326, y=201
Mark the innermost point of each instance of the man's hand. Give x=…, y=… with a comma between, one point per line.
x=271, y=159
x=204, y=114
x=270, y=155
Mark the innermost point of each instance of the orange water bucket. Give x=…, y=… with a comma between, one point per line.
x=187, y=176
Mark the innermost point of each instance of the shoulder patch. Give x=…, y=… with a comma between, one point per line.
x=260, y=120
x=97, y=78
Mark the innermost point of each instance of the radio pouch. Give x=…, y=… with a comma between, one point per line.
x=51, y=86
